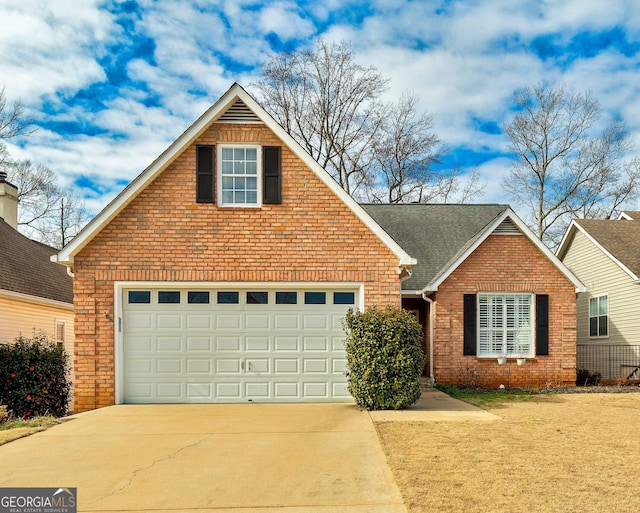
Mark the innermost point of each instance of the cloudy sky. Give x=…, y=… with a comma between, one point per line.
x=111, y=83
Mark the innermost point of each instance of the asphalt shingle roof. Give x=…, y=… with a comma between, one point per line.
x=620, y=237
x=25, y=267
x=434, y=234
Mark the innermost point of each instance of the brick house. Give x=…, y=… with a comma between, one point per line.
x=223, y=271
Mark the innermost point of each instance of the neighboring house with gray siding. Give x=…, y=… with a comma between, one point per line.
x=605, y=256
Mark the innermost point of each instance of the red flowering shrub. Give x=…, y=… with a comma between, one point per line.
x=34, y=377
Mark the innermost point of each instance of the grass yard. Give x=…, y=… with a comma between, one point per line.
x=15, y=429
x=547, y=454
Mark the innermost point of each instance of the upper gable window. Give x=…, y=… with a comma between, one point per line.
x=239, y=171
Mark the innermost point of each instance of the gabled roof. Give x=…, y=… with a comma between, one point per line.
x=442, y=236
x=255, y=113
x=26, y=268
x=619, y=239
x=631, y=215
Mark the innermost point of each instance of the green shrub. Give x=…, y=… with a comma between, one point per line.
x=384, y=358
x=34, y=377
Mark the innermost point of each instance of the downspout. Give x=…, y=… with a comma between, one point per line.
x=432, y=379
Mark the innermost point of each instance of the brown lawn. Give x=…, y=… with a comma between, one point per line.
x=555, y=453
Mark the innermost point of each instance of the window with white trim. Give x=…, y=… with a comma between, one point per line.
x=60, y=333
x=239, y=172
x=599, y=316
x=505, y=325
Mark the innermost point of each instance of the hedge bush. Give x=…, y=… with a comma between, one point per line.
x=384, y=358
x=34, y=377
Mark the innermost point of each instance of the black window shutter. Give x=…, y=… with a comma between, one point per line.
x=271, y=175
x=542, y=324
x=205, y=156
x=470, y=339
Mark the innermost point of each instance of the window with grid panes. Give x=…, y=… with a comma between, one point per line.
x=505, y=325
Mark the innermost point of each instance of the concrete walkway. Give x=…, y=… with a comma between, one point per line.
x=435, y=406
x=244, y=458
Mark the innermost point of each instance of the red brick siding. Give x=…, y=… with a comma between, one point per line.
x=506, y=263
x=164, y=235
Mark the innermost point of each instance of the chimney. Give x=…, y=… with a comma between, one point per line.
x=8, y=201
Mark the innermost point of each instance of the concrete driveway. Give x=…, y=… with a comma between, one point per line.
x=241, y=458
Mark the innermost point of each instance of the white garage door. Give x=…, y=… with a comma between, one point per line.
x=234, y=345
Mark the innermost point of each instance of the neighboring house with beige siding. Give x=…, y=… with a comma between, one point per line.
x=605, y=256
x=35, y=293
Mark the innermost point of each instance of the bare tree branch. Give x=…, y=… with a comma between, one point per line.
x=562, y=169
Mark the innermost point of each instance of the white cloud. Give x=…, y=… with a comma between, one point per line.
x=50, y=46
x=282, y=19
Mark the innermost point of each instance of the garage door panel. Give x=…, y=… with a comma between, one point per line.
x=200, y=390
x=228, y=366
x=339, y=365
x=228, y=344
x=257, y=321
x=198, y=366
x=316, y=390
x=169, y=366
x=257, y=390
x=198, y=344
x=338, y=343
x=315, y=344
x=199, y=321
x=169, y=321
x=315, y=366
x=169, y=390
x=339, y=390
x=257, y=344
x=286, y=365
x=169, y=344
x=140, y=321
x=285, y=351
x=284, y=390
x=228, y=390
x=228, y=322
x=284, y=321
x=318, y=322
x=291, y=344
x=139, y=392
x=140, y=344
x=140, y=366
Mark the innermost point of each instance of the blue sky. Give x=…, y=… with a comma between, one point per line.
x=111, y=83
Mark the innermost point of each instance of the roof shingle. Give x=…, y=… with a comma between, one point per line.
x=434, y=234
x=25, y=267
x=620, y=237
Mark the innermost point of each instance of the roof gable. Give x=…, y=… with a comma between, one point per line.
x=619, y=239
x=25, y=268
x=236, y=105
x=442, y=236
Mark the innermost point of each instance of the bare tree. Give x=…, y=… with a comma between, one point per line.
x=13, y=122
x=47, y=212
x=563, y=169
x=405, y=150
x=330, y=105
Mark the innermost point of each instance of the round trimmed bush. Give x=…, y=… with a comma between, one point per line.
x=384, y=358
